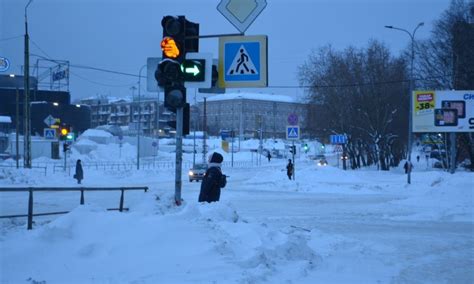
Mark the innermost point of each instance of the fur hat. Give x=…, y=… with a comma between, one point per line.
x=216, y=158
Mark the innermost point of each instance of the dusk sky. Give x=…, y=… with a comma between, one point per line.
x=119, y=35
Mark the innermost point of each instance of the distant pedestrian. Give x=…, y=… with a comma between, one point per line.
x=289, y=169
x=213, y=180
x=269, y=156
x=79, y=172
x=408, y=167
x=418, y=158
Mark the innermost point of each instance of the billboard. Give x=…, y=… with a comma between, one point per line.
x=443, y=111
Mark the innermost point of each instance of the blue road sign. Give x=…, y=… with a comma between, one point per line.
x=49, y=133
x=293, y=132
x=243, y=61
x=338, y=139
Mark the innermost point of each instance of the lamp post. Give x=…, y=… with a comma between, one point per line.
x=139, y=115
x=26, y=93
x=410, y=115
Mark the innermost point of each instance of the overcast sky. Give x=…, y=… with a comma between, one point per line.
x=120, y=34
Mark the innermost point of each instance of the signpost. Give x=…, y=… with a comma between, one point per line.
x=243, y=61
x=241, y=13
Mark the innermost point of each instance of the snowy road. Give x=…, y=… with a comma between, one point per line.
x=328, y=226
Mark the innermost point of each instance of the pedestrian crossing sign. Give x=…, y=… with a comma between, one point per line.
x=293, y=132
x=243, y=62
x=49, y=133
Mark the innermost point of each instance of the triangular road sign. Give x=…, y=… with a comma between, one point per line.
x=242, y=64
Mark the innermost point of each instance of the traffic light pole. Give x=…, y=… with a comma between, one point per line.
x=294, y=162
x=179, y=155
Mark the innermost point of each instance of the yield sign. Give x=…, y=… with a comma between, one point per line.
x=241, y=13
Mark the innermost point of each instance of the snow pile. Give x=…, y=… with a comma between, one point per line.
x=98, y=136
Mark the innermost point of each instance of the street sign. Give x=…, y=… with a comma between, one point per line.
x=338, y=139
x=293, y=119
x=293, y=132
x=151, y=83
x=243, y=61
x=49, y=133
x=241, y=13
x=49, y=120
x=197, y=70
x=4, y=64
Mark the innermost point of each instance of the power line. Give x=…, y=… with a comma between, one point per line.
x=10, y=38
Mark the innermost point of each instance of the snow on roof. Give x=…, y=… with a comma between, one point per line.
x=96, y=133
x=252, y=96
x=5, y=119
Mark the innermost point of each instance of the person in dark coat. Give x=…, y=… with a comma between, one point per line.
x=269, y=156
x=79, y=173
x=213, y=180
x=289, y=169
x=408, y=167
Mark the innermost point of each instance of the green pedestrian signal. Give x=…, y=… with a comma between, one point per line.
x=194, y=70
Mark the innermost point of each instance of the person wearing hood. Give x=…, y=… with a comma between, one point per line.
x=213, y=180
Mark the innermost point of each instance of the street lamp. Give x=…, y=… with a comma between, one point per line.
x=139, y=115
x=410, y=118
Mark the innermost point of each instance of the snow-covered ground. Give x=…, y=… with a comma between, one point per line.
x=327, y=226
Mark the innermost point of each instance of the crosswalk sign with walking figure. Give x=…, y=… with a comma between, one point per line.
x=243, y=61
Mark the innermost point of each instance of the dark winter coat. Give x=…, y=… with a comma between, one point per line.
x=79, y=173
x=289, y=169
x=213, y=180
x=211, y=185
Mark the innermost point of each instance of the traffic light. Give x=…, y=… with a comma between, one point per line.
x=65, y=147
x=63, y=132
x=171, y=70
x=293, y=149
x=306, y=148
x=186, y=119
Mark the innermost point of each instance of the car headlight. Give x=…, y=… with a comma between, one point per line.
x=191, y=173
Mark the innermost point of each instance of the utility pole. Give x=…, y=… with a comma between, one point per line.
x=17, y=124
x=204, y=133
x=26, y=114
x=139, y=115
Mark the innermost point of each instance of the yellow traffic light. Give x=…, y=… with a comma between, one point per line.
x=64, y=131
x=169, y=47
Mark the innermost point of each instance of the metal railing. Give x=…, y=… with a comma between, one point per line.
x=33, y=167
x=56, y=189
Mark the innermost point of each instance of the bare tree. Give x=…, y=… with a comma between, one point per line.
x=361, y=93
x=446, y=60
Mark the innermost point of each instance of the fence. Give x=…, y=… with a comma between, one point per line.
x=81, y=189
x=33, y=167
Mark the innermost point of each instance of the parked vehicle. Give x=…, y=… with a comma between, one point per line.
x=197, y=172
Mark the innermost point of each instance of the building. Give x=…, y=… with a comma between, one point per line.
x=126, y=113
x=246, y=113
x=44, y=103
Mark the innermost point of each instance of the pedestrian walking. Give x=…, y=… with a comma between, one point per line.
x=269, y=156
x=289, y=169
x=418, y=158
x=213, y=180
x=79, y=175
x=408, y=167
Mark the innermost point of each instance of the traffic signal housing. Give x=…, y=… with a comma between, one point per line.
x=293, y=150
x=65, y=147
x=186, y=120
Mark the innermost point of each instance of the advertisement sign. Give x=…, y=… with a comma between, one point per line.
x=443, y=111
